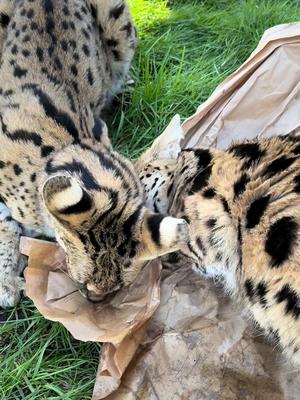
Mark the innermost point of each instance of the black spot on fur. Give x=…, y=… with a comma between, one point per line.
x=65, y=25
x=26, y=39
x=78, y=15
x=60, y=117
x=17, y=169
x=280, y=240
x=64, y=45
x=94, y=12
x=297, y=184
x=75, y=86
x=279, y=165
x=100, y=29
x=116, y=12
x=84, y=10
x=209, y=193
x=76, y=56
x=225, y=205
x=200, y=245
x=34, y=26
x=71, y=100
x=2, y=164
x=33, y=177
x=203, y=170
x=8, y=92
x=127, y=28
x=211, y=223
x=14, y=49
x=154, y=183
x=40, y=54
x=170, y=188
x=58, y=63
x=84, y=31
x=26, y=53
x=261, y=291
x=186, y=218
x=86, y=50
x=249, y=151
x=290, y=297
x=219, y=256
x=48, y=6
x=21, y=212
x=97, y=129
x=256, y=211
x=240, y=238
x=30, y=13
x=50, y=25
x=74, y=70
x=111, y=42
x=66, y=10
x=249, y=288
x=46, y=150
x=117, y=55
x=4, y=20
x=84, y=205
x=154, y=225
x=19, y=72
x=240, y=186
x=90, y=77
x=25, y=136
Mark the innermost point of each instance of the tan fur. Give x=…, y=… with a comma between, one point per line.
x=232, y=224
x=61, y=63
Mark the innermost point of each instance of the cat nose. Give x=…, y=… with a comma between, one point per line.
x=83, y=291
x=90, y=295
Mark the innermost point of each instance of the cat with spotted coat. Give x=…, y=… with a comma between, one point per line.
x=61, y=62
x=243, y=210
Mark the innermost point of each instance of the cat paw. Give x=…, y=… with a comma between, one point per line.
x=10, y=292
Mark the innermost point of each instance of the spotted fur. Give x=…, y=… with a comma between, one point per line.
x=61, y=61
x=243, y=208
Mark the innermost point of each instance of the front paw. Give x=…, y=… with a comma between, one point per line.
x=10, y=292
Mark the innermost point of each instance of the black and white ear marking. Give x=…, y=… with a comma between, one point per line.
x=168, y=232
x=173, y=232
x=64, y=195
x=99, y=129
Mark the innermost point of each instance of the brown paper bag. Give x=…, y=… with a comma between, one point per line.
x=196, y=345
x=57, y=297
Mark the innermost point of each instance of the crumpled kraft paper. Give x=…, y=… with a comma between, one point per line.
x=116, y=321
x=196, y=344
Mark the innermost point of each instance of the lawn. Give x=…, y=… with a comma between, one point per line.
x=186, y=48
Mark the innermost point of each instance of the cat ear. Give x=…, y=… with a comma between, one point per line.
x=166, y=146
x=161, y=235
x=67, y=200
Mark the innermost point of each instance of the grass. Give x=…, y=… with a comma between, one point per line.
x=186, y=49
